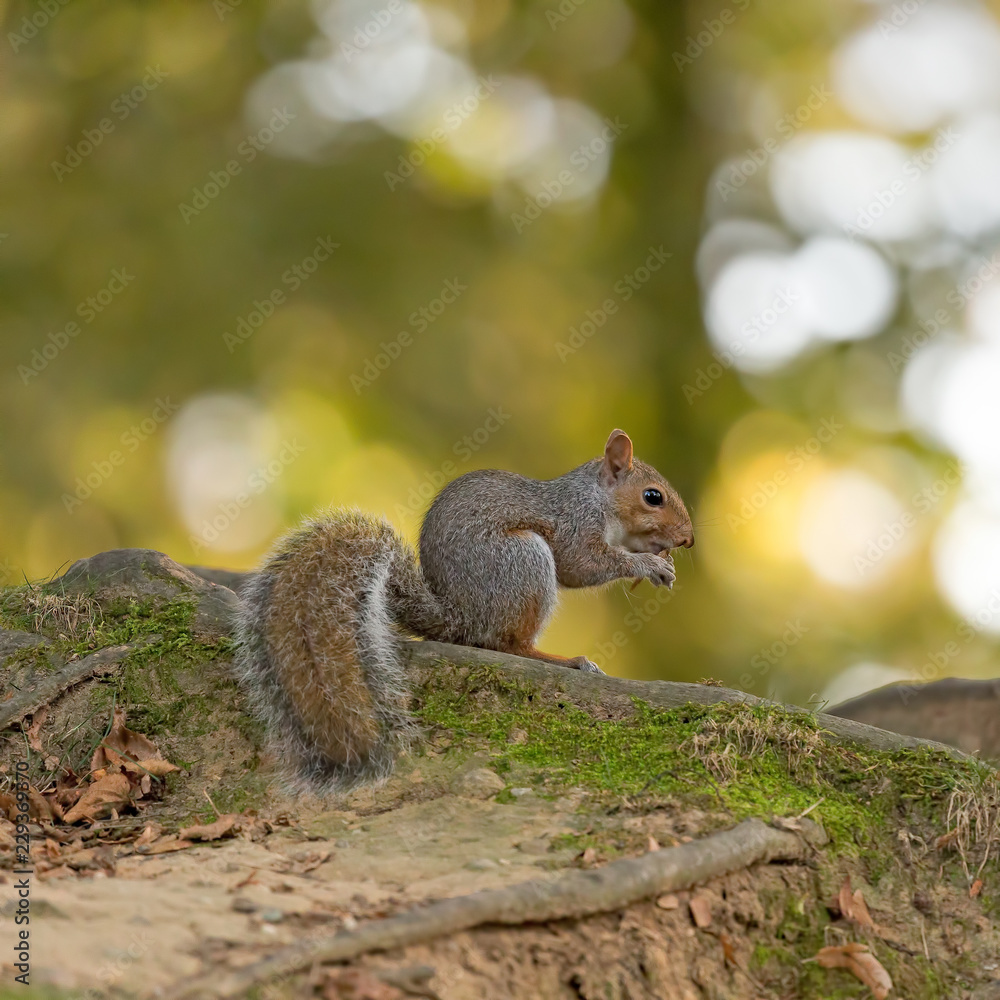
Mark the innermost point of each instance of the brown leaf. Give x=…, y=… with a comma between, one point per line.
x=358, y=984
x=210, y=831
x=946, y=839
x=105, y=794
x=861, y=963
x=701, y=911
x=31, y=733
x=165, y=845
x=853, y=907
x=668, y=902
x=976, y=888
x=652, y=844
x=125, y=741
x=156, y=766
x=147, y=836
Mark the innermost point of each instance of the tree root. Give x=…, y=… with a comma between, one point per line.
x=50, y=686
x=571, y=894
x=427, y=659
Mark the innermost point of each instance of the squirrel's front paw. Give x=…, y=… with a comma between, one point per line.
x=659, y=570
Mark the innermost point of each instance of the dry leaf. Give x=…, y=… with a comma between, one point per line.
x=588, y=857
x=861, y=963
x=976, y=888
x=853, y=907
x=652, y=844
x=358, y=984
x=165, y=845
x=31, y=733
x=109, y=792
x=946, y=839
x=156, y=766
x=147, y=836
x=126, y=741
x=210, y=831
x=701, y=911
x=668, y=902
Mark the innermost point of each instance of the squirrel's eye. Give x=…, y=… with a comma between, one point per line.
x=653, y=497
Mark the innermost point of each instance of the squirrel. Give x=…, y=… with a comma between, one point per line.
x=318, y=636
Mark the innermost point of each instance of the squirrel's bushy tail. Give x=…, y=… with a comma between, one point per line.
x=318, y=648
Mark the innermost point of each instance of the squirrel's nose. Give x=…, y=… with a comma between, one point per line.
x=688, y=540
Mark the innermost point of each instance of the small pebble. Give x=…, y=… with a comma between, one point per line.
x=518, y=792
x=272, y=916
x=243, y=905
x=341, y=844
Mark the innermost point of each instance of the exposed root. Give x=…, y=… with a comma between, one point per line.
x=573, y=894
x=50, y=686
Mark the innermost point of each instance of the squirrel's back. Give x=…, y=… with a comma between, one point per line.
x=319, y=654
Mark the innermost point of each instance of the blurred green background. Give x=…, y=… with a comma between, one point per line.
x=259, y=257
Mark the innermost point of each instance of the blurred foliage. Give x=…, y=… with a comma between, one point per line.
x=159, y=344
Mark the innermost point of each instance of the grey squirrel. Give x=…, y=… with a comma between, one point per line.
x=319, y=631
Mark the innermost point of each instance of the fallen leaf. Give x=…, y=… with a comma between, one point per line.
x=976, y=888
x=100, y=798
x=652, y=844
x=32, y=732
x=946, y=839
x=588, y=857
x=358, y=984
x=155, y=766
x=861, y=963
x=668, y=902
x=127, y=741
x=165, y=845
x=853, y=907
x=701, y=911
x=210, y=831
x=147, y=836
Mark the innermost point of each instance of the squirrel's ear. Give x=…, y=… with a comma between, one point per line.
x=617, y=456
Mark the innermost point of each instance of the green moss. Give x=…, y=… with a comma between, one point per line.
x=739, y=760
